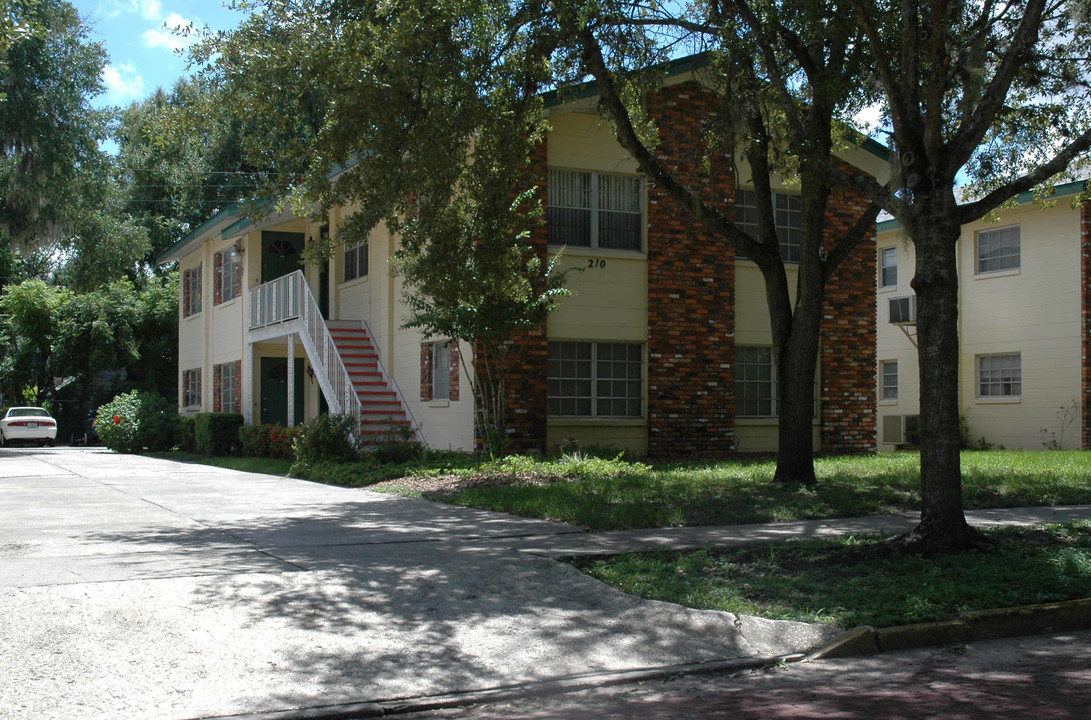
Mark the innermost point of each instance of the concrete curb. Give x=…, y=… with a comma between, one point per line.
x=970, y=626
x=558, y=686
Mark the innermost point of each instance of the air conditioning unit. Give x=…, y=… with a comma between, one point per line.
x=901, y=429
x=903, y=310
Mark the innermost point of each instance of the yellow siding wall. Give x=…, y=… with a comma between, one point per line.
x=1033, y=311
x=609, y=301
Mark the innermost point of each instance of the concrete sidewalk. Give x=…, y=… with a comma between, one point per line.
x=137, y=587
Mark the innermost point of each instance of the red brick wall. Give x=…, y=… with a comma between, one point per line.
x=691, y=292
x=847, y=358
x=1085, y=253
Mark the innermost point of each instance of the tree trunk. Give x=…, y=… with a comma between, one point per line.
x=943, y=526
x=795, y=376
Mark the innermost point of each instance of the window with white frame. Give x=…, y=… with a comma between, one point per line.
x=889, y=373
x=227, y=390
x=595, y=379
x=787, y=220
x=441, y=371
x=757, y=389
x=998, y=249
x=191, y=291
x=888, y=267
x=755, y=382
x=228, y=277
x=604, y=211
x=1000, y=376
x=355, y=261
x=191, y=388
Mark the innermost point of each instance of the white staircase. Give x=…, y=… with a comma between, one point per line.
x=382, y=414
x=344, y=357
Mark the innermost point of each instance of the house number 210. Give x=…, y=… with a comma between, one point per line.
x=596, y=263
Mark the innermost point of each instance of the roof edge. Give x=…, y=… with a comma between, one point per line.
x=1024, y=198
x=178, y=250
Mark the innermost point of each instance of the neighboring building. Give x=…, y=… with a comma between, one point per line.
x=663, y=350
x=1024, y=322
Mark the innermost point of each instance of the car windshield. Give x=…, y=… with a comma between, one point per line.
x=27, y=412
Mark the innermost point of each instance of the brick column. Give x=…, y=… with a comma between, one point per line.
x=691, y=290
x=847, y=363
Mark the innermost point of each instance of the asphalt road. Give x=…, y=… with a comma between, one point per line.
x=133, y=587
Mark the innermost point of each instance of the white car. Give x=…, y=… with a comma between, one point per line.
x=32, y=424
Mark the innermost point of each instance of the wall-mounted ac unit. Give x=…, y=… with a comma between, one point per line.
x=903, y=310
x=901, y=429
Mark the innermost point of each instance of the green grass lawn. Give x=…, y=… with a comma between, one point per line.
x=609, y=495
x=862, y=581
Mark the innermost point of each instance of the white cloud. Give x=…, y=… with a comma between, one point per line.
x=122, y=82
x=150, y=9
x=166, y=37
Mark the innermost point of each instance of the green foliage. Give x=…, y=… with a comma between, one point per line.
x=137, y=421
x=48, y=332
x=862, y=580
x=187, y=434
x=326, y=438
x=181, y=152
x=267, y=441
x=217, y=434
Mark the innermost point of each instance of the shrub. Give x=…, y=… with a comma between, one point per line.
x=326, y=439
x=395, y=446
x=267, y=441
x=216, y=434
x=136, y=421
x=185, y=438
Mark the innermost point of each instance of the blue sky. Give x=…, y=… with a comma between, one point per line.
x=144, y=52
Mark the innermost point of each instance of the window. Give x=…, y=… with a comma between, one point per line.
x=355, y=261
x=595, y=379
x=889, y=372
x=225, y=391
x=191, y=388
x=191, y=291
x=595, y=210
x=787, y=220
x=755, y=382
x=439, y=371
x=888, y=267
x=999, y=375
x=228, y=271
x=998, y=249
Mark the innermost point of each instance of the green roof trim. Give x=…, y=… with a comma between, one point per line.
x=678, y=66
x=174, y=252
x=1024, y=198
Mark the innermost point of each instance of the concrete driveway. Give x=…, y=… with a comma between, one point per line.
x=133, y=587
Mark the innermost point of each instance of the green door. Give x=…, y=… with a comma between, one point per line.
x=281, y=253
x=274, y=391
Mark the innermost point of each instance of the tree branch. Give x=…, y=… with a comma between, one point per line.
x=991, y=201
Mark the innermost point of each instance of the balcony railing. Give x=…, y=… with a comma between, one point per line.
x=289, y=298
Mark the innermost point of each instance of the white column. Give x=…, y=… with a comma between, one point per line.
x=249, y=370
x=291, y=380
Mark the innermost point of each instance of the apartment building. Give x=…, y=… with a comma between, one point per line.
x=664, y=348
x=1024, y=321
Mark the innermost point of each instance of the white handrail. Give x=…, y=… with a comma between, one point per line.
x=290, y=298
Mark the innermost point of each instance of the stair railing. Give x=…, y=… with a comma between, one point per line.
x=290, y=298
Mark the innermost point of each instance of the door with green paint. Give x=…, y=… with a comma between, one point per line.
x=274, y=391
x=281, y=254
